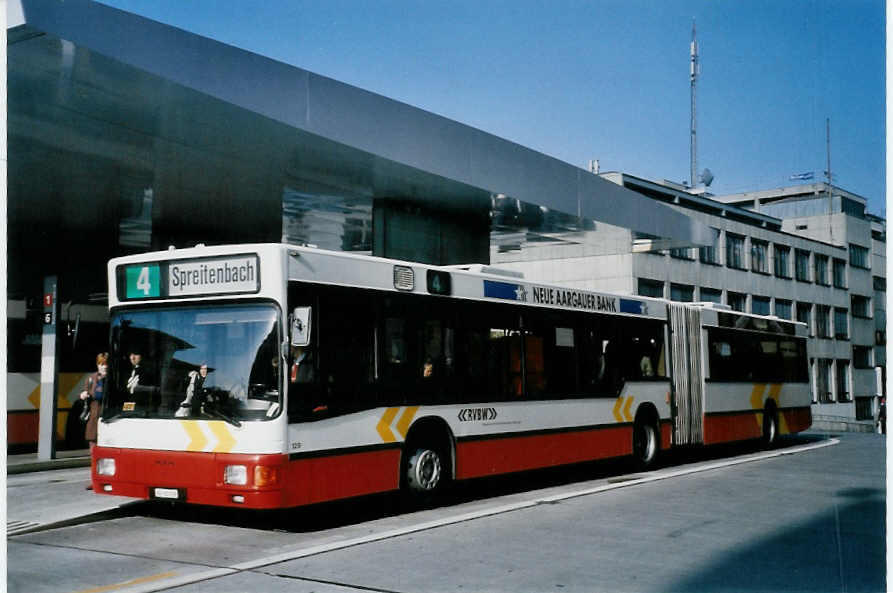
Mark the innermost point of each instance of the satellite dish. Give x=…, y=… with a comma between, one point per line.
x=707, y=177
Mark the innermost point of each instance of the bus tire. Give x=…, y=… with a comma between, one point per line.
x=424, y=471
x=646, y=442
x=770, y=427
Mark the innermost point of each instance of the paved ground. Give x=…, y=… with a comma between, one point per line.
x=807, y=521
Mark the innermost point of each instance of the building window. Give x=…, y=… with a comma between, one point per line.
x=710, y=255
x=759, y=256
x=711, y=295
x=862, y=357
x=839, y=273
x=684, y=253
x=737, y=301
x=682, y=292
x=861, y=306
x=841, y=331
x=651, y=288
x=823, y=381
x=821, y=269
x=759, y=305
x=858, y=256
x=852, y=208
x=823, y=321
x=880, y=283
x=782, y=309
x=801, y=263
x=782, y=261
x=804, y=315
x=735, y=251
x=843, y=380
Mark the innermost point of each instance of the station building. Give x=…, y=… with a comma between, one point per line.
x=126, y=135
x=807, y=252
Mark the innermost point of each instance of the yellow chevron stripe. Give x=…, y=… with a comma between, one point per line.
x=197, y=438
x=405, y=420
x=384, y=425
x=225, y=440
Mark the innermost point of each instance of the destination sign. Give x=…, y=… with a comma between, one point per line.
x=189, y=277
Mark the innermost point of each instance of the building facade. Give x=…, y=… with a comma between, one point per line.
x=808, y=252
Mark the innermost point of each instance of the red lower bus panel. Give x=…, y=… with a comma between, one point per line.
x=200, y=476
x=317, y=479
x=666, y=434
x=722, y=428
x=510, y=454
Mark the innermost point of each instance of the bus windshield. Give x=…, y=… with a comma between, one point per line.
x=195, y=363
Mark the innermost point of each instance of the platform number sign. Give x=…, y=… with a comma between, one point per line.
x=143, y=281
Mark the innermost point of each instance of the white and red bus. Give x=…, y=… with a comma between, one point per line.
x=268, y=376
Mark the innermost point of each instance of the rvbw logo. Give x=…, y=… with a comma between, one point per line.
x=477, y=414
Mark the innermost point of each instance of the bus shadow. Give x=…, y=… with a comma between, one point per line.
x=331, y=515
x=839, y=549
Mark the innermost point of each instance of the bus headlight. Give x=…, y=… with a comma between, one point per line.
x=235, y=474
x=105, y=467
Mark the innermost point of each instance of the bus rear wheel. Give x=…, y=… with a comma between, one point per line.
x=645, y=444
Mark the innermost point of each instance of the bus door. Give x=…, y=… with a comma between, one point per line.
x=687, y=385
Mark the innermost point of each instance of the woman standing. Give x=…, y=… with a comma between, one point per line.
x=92, y=397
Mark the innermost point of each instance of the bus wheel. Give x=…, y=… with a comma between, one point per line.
x=424, y=471
x=770, y=428
x=645, y=444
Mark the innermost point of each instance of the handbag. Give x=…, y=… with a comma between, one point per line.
x=85, y=413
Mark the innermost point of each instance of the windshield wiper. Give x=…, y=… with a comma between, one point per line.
x=213, y=411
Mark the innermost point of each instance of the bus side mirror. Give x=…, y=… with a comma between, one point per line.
x=300, y=326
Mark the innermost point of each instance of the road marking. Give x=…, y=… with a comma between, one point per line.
x=140, y=580
x=314, y=550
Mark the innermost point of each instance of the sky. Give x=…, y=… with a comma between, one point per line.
x=604, y=79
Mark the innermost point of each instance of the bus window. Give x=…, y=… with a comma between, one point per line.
x=534, y=366
x=347, y=354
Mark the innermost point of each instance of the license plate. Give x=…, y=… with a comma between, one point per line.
x=169, y=493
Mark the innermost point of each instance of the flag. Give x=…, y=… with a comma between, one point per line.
x=803, y=176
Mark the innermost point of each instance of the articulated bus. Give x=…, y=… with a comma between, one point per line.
x=271, y=376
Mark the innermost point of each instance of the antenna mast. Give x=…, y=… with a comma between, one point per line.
x=694, y=72
x=830, y=179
